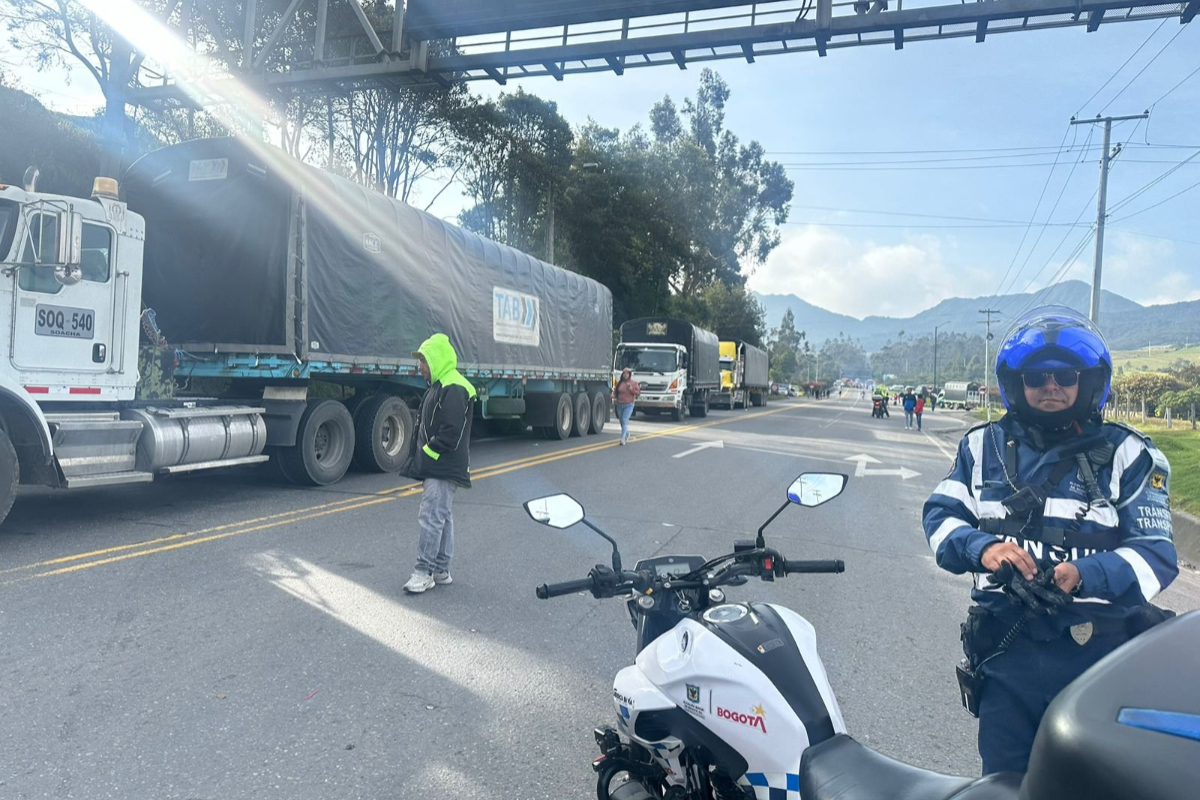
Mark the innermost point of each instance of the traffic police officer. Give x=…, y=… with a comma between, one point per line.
x=1051, y=486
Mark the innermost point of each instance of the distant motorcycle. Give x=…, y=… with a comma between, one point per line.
x=877, y=408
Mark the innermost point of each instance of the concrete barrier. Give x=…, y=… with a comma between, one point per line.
x=1187, y=537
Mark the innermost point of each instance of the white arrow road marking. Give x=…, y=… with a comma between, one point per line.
x=861, y=470
x=699, y=447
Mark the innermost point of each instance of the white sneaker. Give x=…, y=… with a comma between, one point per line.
x=442, y=578
x=419, y=582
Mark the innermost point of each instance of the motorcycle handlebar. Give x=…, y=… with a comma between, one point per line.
x=548, y=590
x=835, y=566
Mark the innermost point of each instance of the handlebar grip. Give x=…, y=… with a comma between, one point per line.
x=835, y=565
x=548, y=590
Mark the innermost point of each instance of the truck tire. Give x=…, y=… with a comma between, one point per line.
x=10, y=474
x=564, y=418
x=599, y=412
x=701, y=410
x=677, y=413
x=383, y=428
x=581, y=414
x=324, y=445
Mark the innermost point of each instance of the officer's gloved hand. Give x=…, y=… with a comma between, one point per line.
x=1040, y=596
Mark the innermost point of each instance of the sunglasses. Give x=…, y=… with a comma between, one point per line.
x=1036, y=378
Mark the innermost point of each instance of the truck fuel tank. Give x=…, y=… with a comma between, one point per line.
x=175, y=438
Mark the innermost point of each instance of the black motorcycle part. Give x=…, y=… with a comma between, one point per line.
x=675, y=722
x=1129, y=726
x=783, y=666
x=843, y=769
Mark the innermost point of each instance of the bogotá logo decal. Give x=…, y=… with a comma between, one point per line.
x=755, y=719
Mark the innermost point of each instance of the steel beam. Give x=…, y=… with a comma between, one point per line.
x=1189, y=12
x=248, y=34
x=750, y=41
x=398, y=27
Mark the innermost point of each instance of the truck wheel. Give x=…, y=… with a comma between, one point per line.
x=677, y=413
x=324, y=445
x=599, y=412
x=383, y=428
x=702, y=409
x=581, y=416
x=564, y=418
x=10, y=474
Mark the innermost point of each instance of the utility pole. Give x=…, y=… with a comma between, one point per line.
x=1102, y=203
x=935, y=338
x=987, y=388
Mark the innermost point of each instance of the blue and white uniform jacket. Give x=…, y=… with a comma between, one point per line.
x=1121, y=545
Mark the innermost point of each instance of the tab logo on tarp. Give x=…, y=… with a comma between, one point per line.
x=516, y=317
x=656, y=329
x=372, y=243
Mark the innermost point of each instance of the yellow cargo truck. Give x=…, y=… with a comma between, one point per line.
x=744, y=376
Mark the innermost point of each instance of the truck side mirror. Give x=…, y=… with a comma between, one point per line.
x=68, y=250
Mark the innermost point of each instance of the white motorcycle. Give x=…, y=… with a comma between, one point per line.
x=730, y=701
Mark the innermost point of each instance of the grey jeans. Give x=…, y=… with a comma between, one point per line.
x=436, y=546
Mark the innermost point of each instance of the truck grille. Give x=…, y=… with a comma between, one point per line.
x=653, y=387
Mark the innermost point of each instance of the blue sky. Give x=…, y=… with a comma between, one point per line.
x=1015, y=90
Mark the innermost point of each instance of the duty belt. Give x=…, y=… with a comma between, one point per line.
x=1055, y=537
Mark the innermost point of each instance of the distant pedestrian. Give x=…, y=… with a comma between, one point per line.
x=441, y=458
x=910, y=405
x=919, y=409
x=625, y=394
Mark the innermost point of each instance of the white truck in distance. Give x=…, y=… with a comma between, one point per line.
x=676, y=364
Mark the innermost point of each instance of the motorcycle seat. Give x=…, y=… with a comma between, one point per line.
x=842, y=769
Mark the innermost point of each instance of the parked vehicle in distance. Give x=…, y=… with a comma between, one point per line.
x=676, y=363
x=744, y=381
x=960, y=394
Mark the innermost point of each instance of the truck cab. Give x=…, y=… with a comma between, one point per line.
x=660, y=369
x=70, y=306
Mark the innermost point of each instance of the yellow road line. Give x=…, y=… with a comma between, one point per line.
x=227, y=530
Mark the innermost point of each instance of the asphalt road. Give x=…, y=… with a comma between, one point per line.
x=225, y=636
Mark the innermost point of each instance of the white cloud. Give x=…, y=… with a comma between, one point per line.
x=863, y=277
x=1144, y=270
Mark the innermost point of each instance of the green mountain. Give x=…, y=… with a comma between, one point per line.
x=1126, y=324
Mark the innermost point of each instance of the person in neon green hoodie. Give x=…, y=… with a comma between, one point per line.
x=441, y=458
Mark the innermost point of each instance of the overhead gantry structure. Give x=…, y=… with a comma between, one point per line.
x=288, y=47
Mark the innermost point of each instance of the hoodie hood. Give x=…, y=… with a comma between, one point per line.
x=443, y=362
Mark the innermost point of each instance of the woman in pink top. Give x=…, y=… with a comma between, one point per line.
x=625, y=393
x=920, y=407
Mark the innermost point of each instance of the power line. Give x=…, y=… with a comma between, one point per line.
x=1057, y=276
x=885, y=167
x=1037, y=206
x=908, y=214
x=1125, y=201
x=1186, y=78
x=1118, y=72
x=1058, y=247
x=923, y=225
x=1048, y=148
x=1182, y=28
x=1159, y=203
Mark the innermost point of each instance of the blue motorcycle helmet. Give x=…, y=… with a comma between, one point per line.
x=1054, y=337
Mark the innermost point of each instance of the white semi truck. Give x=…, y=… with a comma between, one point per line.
x=270, y=277
x=675, y=362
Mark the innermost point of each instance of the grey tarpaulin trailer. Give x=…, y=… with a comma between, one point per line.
x=273, y=274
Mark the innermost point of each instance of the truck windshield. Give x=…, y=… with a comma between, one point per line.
x=8, y=224
x=647, y=359
x=727, y=363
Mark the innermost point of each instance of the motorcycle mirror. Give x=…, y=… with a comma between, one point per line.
x=558, y=511
x=815, y=488
x=562, y=511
